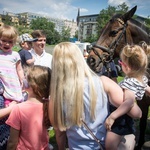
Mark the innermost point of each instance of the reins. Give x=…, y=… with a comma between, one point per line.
x=111, y=49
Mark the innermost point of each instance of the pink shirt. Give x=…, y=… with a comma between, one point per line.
x=28, y=118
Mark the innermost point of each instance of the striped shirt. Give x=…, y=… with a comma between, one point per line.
x=136, y=86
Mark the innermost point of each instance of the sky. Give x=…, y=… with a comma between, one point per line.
x=68, y=9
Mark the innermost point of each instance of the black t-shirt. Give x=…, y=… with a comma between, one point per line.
x=24, y=55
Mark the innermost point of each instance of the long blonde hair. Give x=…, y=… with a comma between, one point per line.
x=69, y=70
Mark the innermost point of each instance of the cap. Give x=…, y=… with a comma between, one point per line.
x=27, y=38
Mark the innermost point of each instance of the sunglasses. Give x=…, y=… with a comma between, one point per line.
x=122, y=63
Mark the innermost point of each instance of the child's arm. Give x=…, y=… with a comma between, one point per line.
x=127, y=106
x=121, y=110
x=20, y=72
x=30, y=61
x=6, y=111
x=13, y=139
x=147, y=90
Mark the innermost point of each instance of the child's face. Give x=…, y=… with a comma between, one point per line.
x=26, y=45
x=6, y=44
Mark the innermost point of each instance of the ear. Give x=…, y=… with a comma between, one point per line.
x=127, y=16
x=128, y=69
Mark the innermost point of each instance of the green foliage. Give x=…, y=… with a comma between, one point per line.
x=92, y=38
x=22, y=30
x=7, y=20
x=16, y=48
x=48, y=27
x=65, y=34
x=147, y=22
x=106, y=14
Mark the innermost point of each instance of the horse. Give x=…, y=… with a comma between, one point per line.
x=122, y=29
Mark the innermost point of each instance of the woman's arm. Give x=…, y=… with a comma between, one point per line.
x=124, y=100
x=13, y=139
x=117, y=97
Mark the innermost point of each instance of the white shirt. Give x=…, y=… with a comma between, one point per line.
x=44, y=59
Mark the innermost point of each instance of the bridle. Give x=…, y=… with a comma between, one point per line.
x=111, y=49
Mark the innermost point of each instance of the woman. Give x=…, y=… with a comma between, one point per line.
x=77, y=95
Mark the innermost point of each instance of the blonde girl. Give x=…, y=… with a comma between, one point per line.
x=11, y=72
x=134, y=63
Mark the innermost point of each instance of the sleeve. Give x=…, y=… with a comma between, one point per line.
x=128, y=83
x=28, y=55
x=17, y=56
x=14, y=118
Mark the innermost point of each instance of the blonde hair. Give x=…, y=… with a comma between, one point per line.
x=38, y=78
x=136, y=58
x=69, y=70
x=9, y=32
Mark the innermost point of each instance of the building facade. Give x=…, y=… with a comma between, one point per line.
x=86, y=26
x=72, y=25
x=26, y=17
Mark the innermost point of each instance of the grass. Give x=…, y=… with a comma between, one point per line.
x=16, y=48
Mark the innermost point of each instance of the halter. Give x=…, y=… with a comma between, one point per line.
x=111, y=49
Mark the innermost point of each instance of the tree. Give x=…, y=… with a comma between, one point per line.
x=22, y=30
x=65, y=34
x=92, y=38
x=147, y=22
x=106, y=14
x=48, y=27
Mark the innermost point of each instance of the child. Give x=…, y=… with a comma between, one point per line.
x=4, y=128
x=11, y=72
x=134, y=63
x=29, y=120
x=26, y=44
x=6, y=111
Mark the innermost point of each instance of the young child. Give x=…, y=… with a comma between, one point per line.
x=29, y=120
x=26, y=44
x=4, y=128
x=11, y=72
x=134, y=63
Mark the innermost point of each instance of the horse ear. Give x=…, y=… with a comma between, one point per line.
x=127, y=16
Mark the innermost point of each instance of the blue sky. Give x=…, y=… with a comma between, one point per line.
x=67, y=9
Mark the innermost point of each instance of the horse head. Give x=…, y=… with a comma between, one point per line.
x=113, y=37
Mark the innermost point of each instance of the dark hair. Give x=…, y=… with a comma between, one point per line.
x=38, y=33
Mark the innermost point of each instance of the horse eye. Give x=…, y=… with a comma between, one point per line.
x=113, y=33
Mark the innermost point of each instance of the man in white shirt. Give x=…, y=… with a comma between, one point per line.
x=41, y=57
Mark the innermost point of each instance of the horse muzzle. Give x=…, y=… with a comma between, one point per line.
x=95, y=63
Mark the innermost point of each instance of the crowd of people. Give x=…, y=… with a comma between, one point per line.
x=63, y=92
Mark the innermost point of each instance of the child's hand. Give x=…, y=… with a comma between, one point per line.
x=12, y=104
x=109, y=122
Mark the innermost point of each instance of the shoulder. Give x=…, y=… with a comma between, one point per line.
x=15, y=53
x=48, y=54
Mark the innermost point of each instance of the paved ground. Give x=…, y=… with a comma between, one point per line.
x=49, y=49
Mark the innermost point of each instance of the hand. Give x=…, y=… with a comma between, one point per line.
x=12, y=104
x=109, y=122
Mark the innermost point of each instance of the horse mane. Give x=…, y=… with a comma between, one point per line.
x=133, y=21
x=140, y=25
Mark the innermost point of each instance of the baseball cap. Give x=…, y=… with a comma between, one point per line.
x=27, y=38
